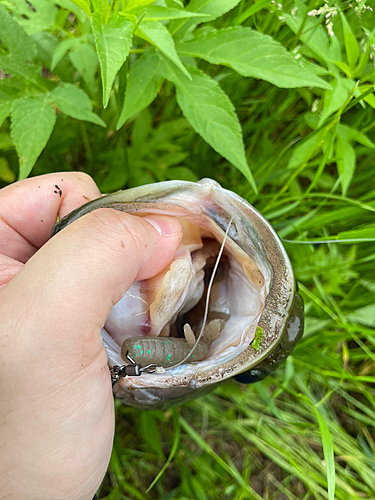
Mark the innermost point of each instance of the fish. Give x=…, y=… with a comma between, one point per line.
x=254, y=309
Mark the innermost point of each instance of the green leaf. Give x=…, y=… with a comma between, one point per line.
x=84, y=5
x=328, y=453
x=62, y=49
x=304, y=151
x=364, y=234
x=15, y=66
x=6, y=174
x=35, y=15
x=250, y=11
x=15, y=39
x=351, y=45
x=182, y=174
x=252, y=54
x=370, y=99
x=174, y=449
x=80, y=12
x=76, y=103
x=334, y=99
x=85, y=60
x=113, y=42
x=144, y=82
x=349, y=134
x=5, y=141
x=345, y=159
x=5, y=109
x=132, y=4
x=33, y=119
x=364, y=315
x=212, y=8
x=158, y=13
x=150, y=432
x=211, y=113
x=309, y=30
x=157, y=34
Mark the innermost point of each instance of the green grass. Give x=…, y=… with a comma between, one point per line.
x=309, y=429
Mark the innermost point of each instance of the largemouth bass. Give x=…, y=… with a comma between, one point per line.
x=255, y=316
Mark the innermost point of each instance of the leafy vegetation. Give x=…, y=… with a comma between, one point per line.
x=283, y=94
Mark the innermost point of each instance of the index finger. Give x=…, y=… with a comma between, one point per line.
x=29, y=209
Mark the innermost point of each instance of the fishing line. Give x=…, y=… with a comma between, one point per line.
x=208, y=295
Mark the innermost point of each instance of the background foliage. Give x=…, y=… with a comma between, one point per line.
x=136, y=92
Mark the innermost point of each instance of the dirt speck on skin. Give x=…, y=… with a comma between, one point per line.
x=58, y=190
x=86, y=198
x=122, y=244
x=41, y=220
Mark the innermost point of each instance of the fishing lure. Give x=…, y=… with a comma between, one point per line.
x=168, y=351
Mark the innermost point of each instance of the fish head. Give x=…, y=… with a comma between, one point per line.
x=253, y=294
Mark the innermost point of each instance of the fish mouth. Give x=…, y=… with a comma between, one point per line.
x=253, y=290
x=161, y=306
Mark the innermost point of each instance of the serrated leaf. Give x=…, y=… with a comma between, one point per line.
x=213, y=9
x=345, y=160
x=35, y=15
x=76, y=103
x=113, y=42
x=157, y=34
x=47, y=44
x=158, y=13
x=252, y=54
x=62, y=49
x=211, y=113
x=33, y=119
x=85, y=60
x=15, y=39
x=16, y=66
x=351, y=45
x=5, y=109
x=144, y=82
x=6, y=174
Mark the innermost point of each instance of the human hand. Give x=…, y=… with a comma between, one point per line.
x=56, y=403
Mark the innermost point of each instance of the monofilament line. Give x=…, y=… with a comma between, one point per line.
x=208, y=295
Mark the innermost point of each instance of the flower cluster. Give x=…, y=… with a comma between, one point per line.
x=328, y=12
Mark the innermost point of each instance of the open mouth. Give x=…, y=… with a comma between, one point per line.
x=161, y=307
x=254, y=315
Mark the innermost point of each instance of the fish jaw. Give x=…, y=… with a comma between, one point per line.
x=255, y=255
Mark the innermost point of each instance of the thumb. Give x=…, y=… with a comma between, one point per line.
x=65, y=292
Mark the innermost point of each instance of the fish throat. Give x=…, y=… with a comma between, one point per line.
x=203, y=308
